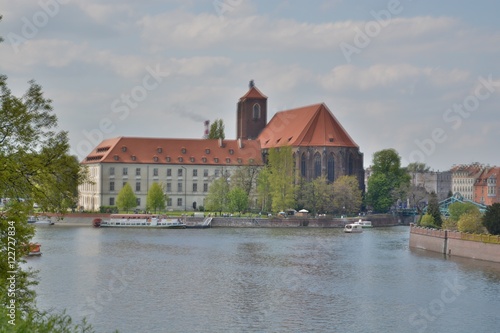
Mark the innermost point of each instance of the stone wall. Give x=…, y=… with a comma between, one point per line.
x=483, y=247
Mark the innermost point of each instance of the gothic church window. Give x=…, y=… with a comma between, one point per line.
x=256, y=111
x=331, y=168
x=303, y=165
x=317, y=165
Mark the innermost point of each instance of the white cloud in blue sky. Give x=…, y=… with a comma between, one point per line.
x=418, y=76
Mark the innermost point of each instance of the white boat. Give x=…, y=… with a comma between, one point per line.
x=139, y=221
x=40, y=220
x=353, y=228
x=364, y=224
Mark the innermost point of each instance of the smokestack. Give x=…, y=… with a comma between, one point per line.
x=251, y=84
x=207, y=127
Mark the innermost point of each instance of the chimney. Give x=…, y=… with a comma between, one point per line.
x=251, y=84
x=240, y=143
x=220, y=143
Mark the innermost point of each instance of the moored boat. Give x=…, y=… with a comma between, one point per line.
x=353, y=228
x=40, y=220
x=364, y=224
x=34, y=250
x=139, y=221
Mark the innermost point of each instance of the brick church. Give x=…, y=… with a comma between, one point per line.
x=187, y=167
x=320, y=145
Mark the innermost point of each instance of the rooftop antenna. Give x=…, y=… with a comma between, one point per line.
x=207, y=126
x=251, y=84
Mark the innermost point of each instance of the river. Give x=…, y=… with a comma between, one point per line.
x=261, y=280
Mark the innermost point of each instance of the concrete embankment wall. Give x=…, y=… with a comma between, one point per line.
x=290, y=222
x=243, y=222
x=483, y=247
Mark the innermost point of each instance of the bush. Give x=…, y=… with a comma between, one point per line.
x=108, y=209
x=471, y=223
x=491, y=219
x=428, y=221
x=449, y=224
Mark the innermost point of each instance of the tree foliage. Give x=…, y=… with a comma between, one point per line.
x=156, y=198
x=264, y=190
x=126, y=199
x=470, y=222
x=347, y=195
x=217, y=196
x=428, y=221
x=316, y=195
x=238, y=200
x=281, y=178
x=491, y=219
x=457, y=209
x=433, y=209
x=388, y=180
x=36, y=167
x=217, y=130
x=417, y=167
x=245, y=177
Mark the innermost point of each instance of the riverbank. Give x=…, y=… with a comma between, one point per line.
x=452, y=243
x=379, y=220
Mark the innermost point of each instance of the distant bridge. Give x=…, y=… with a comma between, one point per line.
x=457, y=197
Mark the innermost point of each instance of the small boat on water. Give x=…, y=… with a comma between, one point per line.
x=34, y=250
x=364, y=224
x=353, y=228
x=40, y=220
x=139, y=221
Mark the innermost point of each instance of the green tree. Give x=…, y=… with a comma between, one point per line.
x=316, y=196
x=379, y=193
x=264, y=190
x=281, y=178
x=238, y=200
x=245, y=177
x=471, y=222
x=389, y=180
x=217, y=196
x=491, y=219
x=126, y=199
x=347, y=197
x=35, y=167
x=457, y=209
x=417, y=167
x=428, y=221
x=433, y=209
x=156, y=198
x=217, y=130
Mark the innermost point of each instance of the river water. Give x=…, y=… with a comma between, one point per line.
x=261, y=280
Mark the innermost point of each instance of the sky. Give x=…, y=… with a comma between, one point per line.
x=419, y=76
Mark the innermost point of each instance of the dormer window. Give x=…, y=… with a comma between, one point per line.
x=133, y=158
x=207, y=151
x=124, y=149
x=159, y=150
x=183, y=150
x=231, y=151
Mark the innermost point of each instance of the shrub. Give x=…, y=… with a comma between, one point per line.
x=491, y=219
x=428, y=221
x=471, y=223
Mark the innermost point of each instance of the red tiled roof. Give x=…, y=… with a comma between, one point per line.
x=253, y=92
x=312, y=125
x=176, y=151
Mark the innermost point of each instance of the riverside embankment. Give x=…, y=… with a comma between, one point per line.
x=453, y=243
x=382, y=220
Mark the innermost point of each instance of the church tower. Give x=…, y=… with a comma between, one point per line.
x=251, y=114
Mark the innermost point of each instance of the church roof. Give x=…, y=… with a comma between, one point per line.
x=176, y=151
x=253, y=92
x=312, y=125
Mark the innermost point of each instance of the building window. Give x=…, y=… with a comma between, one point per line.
x=179, y=187
x=207, y=151
x=216, y=160
x=205, y=172
x=205, y=187
x=169, y=187
x=112, y=171
x=331, y=168
x=125, y=171
x=303, y=165
x=317, y=165
x=138, y=201
x=231, y=151
x=195, y=187
x=217, y=171
x=138, y=186
x=169, y=172
x=123, y=185
x=179, y=172
x=169, y=202
x=111, y=186
x=256, y=111
x=195, y=172
x=138, y=171
x=155, y=172
x=111, y=201
x=179, y=202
